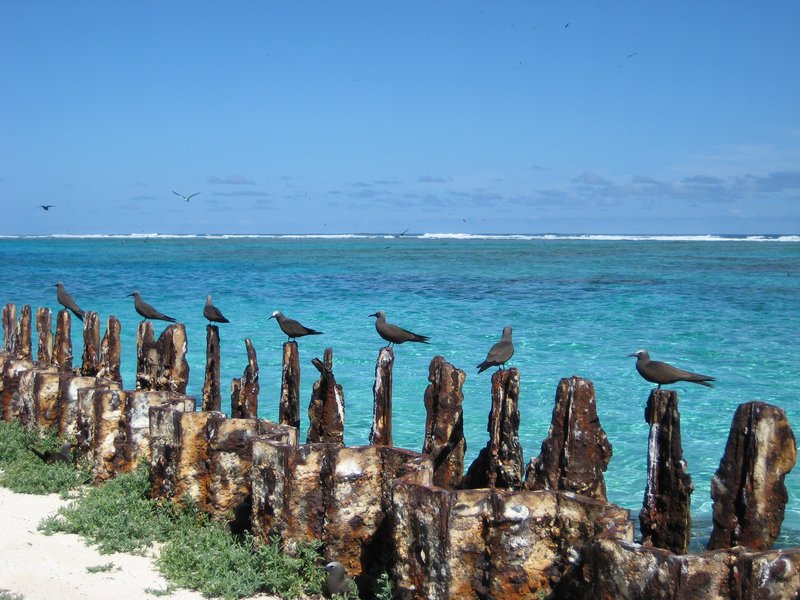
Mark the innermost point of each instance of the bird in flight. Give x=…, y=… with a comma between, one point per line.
x=632, y=54
x=47, y=206
x=187, y=198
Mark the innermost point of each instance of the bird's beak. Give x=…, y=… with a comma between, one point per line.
x=634, y=354
x=127, y=295
x=373, y=315
x=271, y=317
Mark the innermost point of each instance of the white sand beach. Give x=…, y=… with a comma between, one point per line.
x=41, y=567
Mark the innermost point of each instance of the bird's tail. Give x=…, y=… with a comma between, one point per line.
x=483, y=366
x=41, y=455
x=702, y=380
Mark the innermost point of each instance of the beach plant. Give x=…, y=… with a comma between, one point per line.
x=167, y=591
x=24, y=472
x=6, y=595
x=116, y=516
x=384, y=588
x=208, y=559
x=104, y=568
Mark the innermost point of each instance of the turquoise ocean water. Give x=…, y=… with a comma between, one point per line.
x=727, y=307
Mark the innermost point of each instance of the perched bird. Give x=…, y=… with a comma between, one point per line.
x=65, y=300
x=212, y=313
x=501, y=352
x=337, y=581
x=292, y=328
x=394, y=334
x=146, y=310
x=187, y=198
x=661, y=373
x=50, y=457
x=47, y=206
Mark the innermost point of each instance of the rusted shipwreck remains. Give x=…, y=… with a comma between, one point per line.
x=499, y=529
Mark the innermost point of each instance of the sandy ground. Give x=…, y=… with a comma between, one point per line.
x=41, y=567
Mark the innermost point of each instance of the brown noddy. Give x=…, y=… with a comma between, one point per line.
x=65, y=300
x=662, y=373
x=292, y=328
x=146, y=310
x=394, y=334
x=501, y=352
x=337, y=581
x=212, y=313
x=50, y=457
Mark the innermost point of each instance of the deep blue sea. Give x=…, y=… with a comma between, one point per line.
x=722, y=306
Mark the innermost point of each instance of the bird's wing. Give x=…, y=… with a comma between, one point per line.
x=192, y=196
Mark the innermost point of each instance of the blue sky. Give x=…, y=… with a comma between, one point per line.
x=335, y=117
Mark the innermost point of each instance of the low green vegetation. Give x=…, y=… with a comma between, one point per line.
x=23, y=472
x=104, y=568
x=116, y=516
x=6, y=595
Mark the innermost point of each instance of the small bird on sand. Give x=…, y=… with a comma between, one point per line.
x=500, y=353
x=394, y=334
x=187, y=198
x=292, y=328
x=65, y=300
x=337, y=581
x=146, y=310
x=50, y=457
x=662, y=373
x=212, y=313
x=47, y=206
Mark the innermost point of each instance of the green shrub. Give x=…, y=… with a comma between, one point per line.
x=116, y=516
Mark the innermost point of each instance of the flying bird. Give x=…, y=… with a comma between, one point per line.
x=187, y=198
x=292, y=328
x=394, y=334
x=632, y=54
x=212, y=313
x=65, y=300
x=662, y=373
x=47, y=206
x=500, y=353
x=146, y=310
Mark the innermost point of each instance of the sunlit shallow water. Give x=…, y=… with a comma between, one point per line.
x=724, y=307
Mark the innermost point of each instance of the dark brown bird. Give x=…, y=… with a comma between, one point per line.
x=292, y=328
x=212, y=313
x=65, y=300
x=662, y=373
x=394, y=334
x=146, y=310
x=50, y=457
x=500, y=353
x=337, y=581
x=47, y=206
